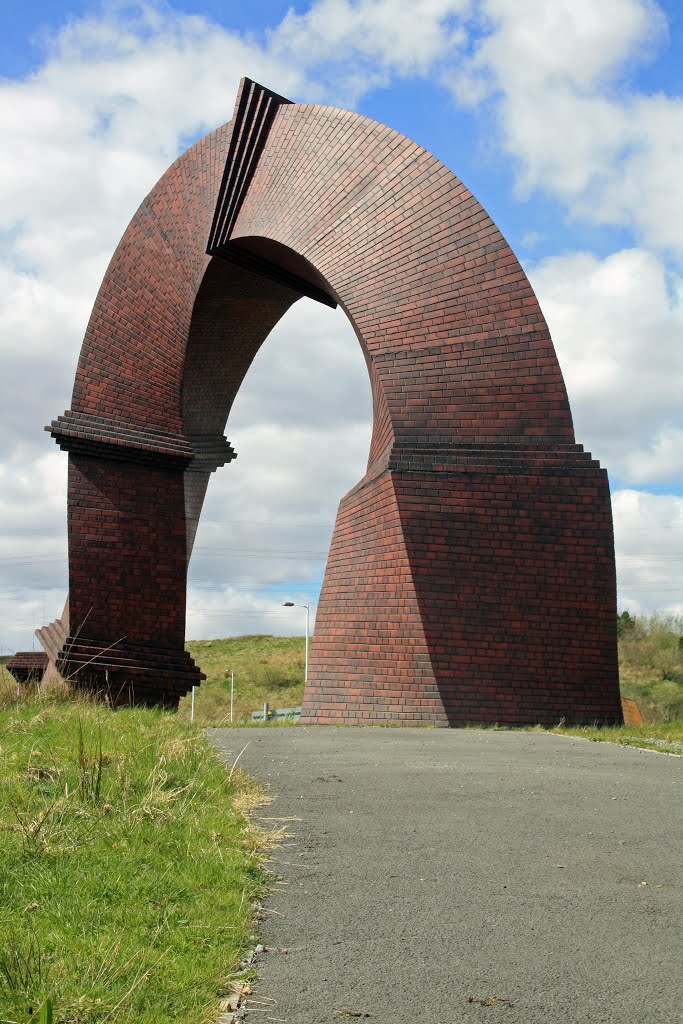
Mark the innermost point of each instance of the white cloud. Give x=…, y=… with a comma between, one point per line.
x=356, y=45
x=530, y=239
x=94, y=127
x=648, y=531
x=235, y=611
x=617, y=325
x=569, y=41
x=310, y=372
x=33, y=576
x=661, y=460
x=301, y=426
x=556, y=75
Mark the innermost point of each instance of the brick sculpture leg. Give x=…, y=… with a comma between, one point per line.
x=127, y=540
x=471, y=575
x=468, y=594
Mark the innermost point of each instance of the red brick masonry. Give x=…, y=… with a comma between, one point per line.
x=471, y=575
x=27, y=666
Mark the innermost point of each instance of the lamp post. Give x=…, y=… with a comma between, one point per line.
x=290, y=604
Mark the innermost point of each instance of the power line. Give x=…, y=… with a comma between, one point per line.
x=260, y=522
x=239, y=585
x=33, y=529
x=258, y=553
x=20, y=561
x=232, y=613
x=49, y=558
x=214, y=522
x=655, y=527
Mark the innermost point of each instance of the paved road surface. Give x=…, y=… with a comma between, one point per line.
x=431, y=871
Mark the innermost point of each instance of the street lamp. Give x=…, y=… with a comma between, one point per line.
x=290, y=604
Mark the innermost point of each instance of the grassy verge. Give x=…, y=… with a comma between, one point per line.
x=267, y=669
x=662, y=736
x=128, y=868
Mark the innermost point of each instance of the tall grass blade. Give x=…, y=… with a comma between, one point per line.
x=46, y=1012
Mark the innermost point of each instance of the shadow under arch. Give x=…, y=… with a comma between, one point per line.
x=471, y=573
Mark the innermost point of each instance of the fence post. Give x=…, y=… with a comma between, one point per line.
x=232, y=692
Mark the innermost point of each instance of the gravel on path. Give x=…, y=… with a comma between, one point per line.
x=458, y=876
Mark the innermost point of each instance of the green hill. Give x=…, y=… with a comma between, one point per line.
x=267, y=669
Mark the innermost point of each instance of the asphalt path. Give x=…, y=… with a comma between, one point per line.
x=437, y=876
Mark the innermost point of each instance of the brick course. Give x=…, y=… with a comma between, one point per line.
x=471, y=575
x=27, y=666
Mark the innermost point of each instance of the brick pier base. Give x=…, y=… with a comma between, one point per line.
x=469, y=586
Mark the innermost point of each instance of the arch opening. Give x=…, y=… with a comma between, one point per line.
x=301, y=426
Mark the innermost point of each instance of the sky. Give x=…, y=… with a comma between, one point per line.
x=564, y=118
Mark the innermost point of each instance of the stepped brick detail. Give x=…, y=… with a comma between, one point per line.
x=471, y=574
x=28, y=666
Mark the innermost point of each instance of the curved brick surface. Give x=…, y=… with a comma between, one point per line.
x=471, y=574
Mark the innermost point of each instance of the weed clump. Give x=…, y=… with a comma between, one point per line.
x=128, y=869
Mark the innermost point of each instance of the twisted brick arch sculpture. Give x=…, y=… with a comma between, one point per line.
x=471, y=573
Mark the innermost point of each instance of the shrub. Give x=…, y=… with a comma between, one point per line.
x=666, y=701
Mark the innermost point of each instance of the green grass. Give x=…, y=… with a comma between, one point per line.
x=128, y=869
x=663, y=736
x=268, y=669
